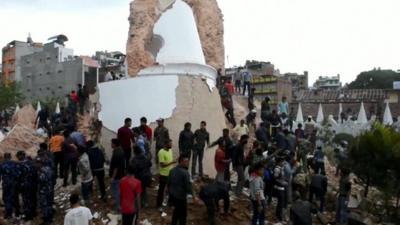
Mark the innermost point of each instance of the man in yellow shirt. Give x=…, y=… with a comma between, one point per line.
x=166, y=162
x=56, y=143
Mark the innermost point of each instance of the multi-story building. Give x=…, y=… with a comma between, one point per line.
x=328, y=83
x=111, y=61
x=11, y=58
x=55, y=71
x=299, y=81
x=272, y=86
x=258, y=68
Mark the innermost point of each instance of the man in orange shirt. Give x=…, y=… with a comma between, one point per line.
x=56, y=143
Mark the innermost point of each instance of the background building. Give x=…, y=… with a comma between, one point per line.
x=11, y=58
x=111, y=61
x=272, y=86
x=299, y=81
x=328, y=83
x=54, y=71
x=258, y=68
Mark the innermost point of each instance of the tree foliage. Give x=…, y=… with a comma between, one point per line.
x=375, y=79
x=10, y=95
x=375, y=158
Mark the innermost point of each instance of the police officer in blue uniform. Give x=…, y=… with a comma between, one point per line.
x=8, y=174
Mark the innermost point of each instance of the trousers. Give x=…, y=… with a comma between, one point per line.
x=161, y=189
x=180, y=211
x=197, y=157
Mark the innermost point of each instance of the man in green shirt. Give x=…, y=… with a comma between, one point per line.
x=166, y=162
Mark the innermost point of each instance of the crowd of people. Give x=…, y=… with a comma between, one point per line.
x=277, y=166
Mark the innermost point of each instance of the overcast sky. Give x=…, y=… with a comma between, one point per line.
x=324, y=37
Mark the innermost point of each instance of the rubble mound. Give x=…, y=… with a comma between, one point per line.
x=25, y=116
x=21, y=138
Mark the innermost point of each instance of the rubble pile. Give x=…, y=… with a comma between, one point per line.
x=21, y=138
x=25, y=116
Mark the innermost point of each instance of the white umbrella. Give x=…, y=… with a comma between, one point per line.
x=340, y=113
x=58, y=108
x=299, y=117
x=362, y=115
x=387, y=116
x=16, y=109
x=39, y=107
x=320, y=116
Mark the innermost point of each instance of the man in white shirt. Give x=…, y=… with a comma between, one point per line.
x=241, y=129
x=77, y=215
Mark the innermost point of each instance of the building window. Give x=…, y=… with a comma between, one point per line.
x=28, y=90
x=48, y=88
x=48, y=73
x=59, y=71
x=40, y=89
x=48, y=58
x=59, y=87
x=40, y=60
x=28, y=62
x=40, y=74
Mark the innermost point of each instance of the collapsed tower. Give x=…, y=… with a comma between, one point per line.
x=170, y=74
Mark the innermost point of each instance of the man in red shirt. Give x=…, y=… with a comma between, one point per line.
x=220, y=162
x=146, y=129
x=130, y=190
x=126, y=138
x=229, y=87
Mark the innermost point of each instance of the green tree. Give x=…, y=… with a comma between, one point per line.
x=375, y=79
x=10, y=95
x=374, y=157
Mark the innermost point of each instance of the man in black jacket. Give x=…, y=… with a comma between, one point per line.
x=97, y=160
x=180, y=186
x=141, y=169
x=238, y=162
x=186, y=140
x=201, y=138
x=211, y=194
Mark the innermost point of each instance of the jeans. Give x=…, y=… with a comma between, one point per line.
x=341, y=210
x=115, y=193
x=238, y=84
x=180, y=211
x=100, y=181
x=197, y=155
x=70, y=164
x=320, y=196
x=246, y=84
x=161, y=189
x=258, y=217
x=240, y=172
x=219, y=178
x=87, y=190
x=210, y=204
x=128, y=154
x=227, y=172
x=129, y=219
x=58, y=164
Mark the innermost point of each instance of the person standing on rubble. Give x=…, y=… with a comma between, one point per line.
x=228, y=147
x=28, y=185
x=70, y=151
x=186, y=140
x=117, y=171
x=201, y=138
x=45, y=190
x=56, y=143
x=97, y=160
x=166, y=161
x=126, y=139
x=8, y=173
x=238, y=162
x=161, y=136
x=179, y=187
x=343, y=197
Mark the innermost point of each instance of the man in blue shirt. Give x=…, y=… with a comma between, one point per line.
x=283, y=106
x=247, y=78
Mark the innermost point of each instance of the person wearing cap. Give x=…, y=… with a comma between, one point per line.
x=8, y=174
x=27, y=183
x=161, y=136
x=45, y=190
